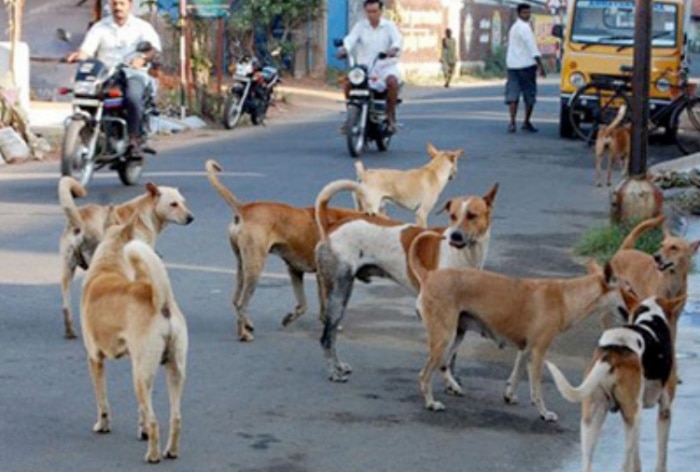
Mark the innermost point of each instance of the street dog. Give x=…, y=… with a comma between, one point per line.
x=415, y=189
x=85, y=228
x=370, y=246
x=128, y=307
x=529, y=313
x=632, y=368
x=665, y=274
x=260, y=228
x=616, y=140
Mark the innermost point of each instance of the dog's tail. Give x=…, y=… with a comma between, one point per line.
x=67, y=188
x=213, y=168
x=618, y=118
x=325, y=196
x=359, y=169
x=415, y=264
x=149, y=268
x=590, y=383
x=638, y=230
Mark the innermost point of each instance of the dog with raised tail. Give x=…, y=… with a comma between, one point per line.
x=528, y=312
x=371, y=246
x=416, y=190
x=86, y=226
x=632, y=368
x=616, y=140
x=128, y=308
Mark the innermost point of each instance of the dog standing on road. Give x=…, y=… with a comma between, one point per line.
x=616, y=139
x=128, y=307
x=632, y=368
x=530, y=313
x=417, y=190
x=86, y=226
x=371, y=246
x=261, y=228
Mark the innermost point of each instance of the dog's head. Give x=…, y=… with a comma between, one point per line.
x=470, y=218
x=170, y=205
x=667, y=308
x=450, y=156
x=675, y=254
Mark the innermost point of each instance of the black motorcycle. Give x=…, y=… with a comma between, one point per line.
x=96, y=134
x=252, y=91
x=366, y=117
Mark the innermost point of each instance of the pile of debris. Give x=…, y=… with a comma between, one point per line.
x=17, y=142
x=681, y=189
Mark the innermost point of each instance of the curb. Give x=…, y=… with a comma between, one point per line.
x=679, y=164
x=326, y=94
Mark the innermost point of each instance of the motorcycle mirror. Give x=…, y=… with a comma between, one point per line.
x=63, y=35
x=144, y=46
x=337, y=42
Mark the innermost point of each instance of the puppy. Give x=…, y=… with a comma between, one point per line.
x=632, y=368
x=261, y=228
x=530, y=313
x=128, y=307
x=415, y=189
x=616, y=139
x=369, y=246
x=85, y=227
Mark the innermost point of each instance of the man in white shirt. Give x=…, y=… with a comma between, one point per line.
x=110, y=40
x=523, y=59
x=368, y=38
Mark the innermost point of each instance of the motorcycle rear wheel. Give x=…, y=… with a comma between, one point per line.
x=354, y=131
x=74, y=159
x=384, y=140
x=130, y=171
x=232, y=111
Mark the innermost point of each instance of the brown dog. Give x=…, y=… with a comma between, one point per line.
x=415, y=189
x=128, y=307
x=371, y=246
x=632, y=368
x=616, y=139
x=85, y=227
x=530, y=313
x=261, y=228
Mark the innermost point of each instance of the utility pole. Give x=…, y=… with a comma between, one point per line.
x=183, y=59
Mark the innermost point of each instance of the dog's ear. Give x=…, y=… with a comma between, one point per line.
x=445, y=207
x=630, y=299
x=152, y=189
x=459, y=153
x=491, y=195
x=694, y=246
x=672, y=306
x=432, y=152
x=112, y=217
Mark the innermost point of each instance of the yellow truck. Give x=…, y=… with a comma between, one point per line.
x=598, y=45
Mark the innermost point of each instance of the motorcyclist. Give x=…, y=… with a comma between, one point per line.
x=111, y=40
x=368, y=38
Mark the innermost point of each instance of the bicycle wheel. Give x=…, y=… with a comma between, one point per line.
x=593, y=106
x=686, y=119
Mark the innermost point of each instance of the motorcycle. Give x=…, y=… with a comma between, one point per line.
x=96, y=134
x=252, y=91
x=366, y=116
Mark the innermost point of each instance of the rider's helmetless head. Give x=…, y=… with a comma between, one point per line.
x=120, y=10
x=373, y=10
x=524, y=11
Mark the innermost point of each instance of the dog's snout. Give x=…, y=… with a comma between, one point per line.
x=657, y=258
x=189, y=219
x=456, y=237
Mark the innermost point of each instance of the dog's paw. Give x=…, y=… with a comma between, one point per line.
x=454, y=391
x=510, y=399
x=338, y=377
x=69, y=334
x=246, y=337
x=101, y=427
x=171, y=454
x=289, y=319
x=435, y=406
x=152, y=458
x=344, y=368
x=549, y=416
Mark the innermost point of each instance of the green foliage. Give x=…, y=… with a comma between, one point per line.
x=495, y=63
x=601, y=243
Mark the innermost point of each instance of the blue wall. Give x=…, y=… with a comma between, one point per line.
x=337, y=28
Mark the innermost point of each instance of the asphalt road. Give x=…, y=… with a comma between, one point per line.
x=267, y=406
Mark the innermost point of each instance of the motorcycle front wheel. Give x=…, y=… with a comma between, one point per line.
x=75, y=161
x=130, y=171
x=354, y=131
x=232, y=111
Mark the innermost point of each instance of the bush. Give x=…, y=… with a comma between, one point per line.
x=601, y=243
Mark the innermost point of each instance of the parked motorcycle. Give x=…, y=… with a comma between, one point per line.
x=96, y=134
x=366, y=117
x=252, y=91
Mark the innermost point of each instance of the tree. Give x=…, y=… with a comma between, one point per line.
x=14, y=27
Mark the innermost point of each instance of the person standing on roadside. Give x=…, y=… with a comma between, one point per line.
x=448, y=56
x=523, y=60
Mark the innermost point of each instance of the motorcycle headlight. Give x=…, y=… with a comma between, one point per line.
x=577, y=79
x=663, y=85
x=244, y=69
x=356, y=76
x=83, y=87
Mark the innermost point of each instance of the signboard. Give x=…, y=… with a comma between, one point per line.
x=546, y=43
x=208, y=8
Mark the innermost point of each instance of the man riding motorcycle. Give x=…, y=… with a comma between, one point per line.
x=111, y=40
x=367, y=39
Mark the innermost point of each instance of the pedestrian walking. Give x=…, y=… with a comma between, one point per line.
x=448, y=56
x=523, y=60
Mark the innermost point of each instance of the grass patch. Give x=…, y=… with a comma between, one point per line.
x=601, y=243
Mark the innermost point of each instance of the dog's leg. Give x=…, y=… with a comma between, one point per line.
x=511, y=393
x=630, y=417
x=452, y=356
x=97, y=372
x=144, y=367
x=422, y=217
x=67, y=276
x=534, y=370
x=663, y=426
x=593, y=413
x=253, y=261
x=436, y=358
x=338, y=290
x=297, y=277
x=611, y=157
x=175, y=375
x=599, y=150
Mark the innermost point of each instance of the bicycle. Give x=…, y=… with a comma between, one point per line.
x=595, y=104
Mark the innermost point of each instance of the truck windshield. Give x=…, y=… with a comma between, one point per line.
x=612, y=22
